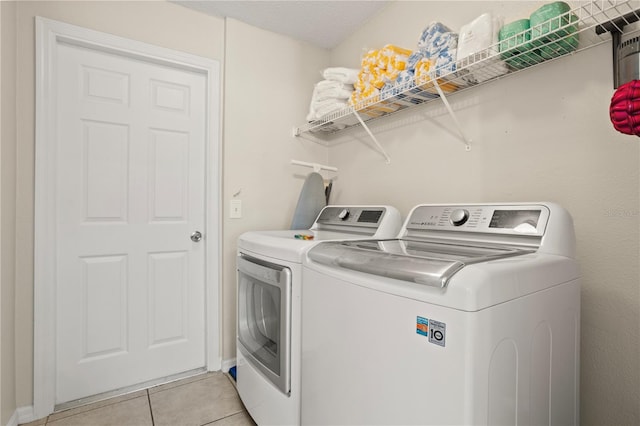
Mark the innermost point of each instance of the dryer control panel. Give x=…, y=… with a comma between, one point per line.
x=370, y=221
x=351, y=216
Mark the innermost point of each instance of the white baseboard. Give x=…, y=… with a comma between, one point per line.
x=13, y=421
x=227, y=364
x=21, y=415
x=25, y=414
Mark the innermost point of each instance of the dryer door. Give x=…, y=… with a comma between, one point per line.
x=264, y=312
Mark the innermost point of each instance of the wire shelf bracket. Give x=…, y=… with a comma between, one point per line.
x=454, y=117
x=381, y=150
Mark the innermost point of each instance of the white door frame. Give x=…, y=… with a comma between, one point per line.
x=49, y=34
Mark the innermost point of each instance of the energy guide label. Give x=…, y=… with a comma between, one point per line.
x=435, y=331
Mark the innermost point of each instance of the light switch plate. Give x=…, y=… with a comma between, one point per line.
x=235, y=211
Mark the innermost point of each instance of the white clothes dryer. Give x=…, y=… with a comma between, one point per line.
x=269, y=269
x=471, y=316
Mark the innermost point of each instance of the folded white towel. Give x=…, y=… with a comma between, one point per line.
x=317, y=111
x=332, y=93
x=343, y=75
x=332, y=84
x=328, y=96
x=317, y=104
x=330, y=107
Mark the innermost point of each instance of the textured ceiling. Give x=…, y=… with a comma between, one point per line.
x=322, y=23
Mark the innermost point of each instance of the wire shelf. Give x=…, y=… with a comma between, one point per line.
x=586, y=25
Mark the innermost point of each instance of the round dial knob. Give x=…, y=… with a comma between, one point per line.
x=459, y=217
x=344, y=214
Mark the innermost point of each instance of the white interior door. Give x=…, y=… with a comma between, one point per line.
x=130, y=295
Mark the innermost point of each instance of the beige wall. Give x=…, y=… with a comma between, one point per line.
x=159, y=23
x=543, y=134
x=268, y=84
x=7, y=210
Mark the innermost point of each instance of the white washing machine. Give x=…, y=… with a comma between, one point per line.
x=470, y=317
x=269, y=297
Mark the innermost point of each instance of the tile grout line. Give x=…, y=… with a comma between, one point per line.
x=148, y=393
x=91, y=409
x=222, y=418
x=153, y=422
x=176, y=382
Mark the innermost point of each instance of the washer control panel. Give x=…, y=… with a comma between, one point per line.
x=517, y=219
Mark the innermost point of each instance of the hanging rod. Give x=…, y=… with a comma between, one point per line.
x=315, y=166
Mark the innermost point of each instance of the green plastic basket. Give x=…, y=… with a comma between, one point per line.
x=554, y=30
x=515, y=46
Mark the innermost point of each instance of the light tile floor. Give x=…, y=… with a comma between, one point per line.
x=206, y=399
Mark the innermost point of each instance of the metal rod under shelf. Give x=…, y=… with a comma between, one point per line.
x=315, y=166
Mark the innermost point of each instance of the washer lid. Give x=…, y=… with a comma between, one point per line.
x=431, y=263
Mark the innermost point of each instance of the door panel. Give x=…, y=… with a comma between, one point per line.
x=105, y=171
x=169, y=176
x=104, y=306
x=168, y=297
x=130, y=191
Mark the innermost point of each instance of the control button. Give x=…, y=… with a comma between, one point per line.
x=459, y=217
x=344, y=214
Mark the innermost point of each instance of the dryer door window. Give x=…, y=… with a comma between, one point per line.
x=264, y=292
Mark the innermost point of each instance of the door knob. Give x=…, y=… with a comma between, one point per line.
x=196, y=236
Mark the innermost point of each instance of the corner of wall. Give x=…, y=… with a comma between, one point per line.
x=8, y=39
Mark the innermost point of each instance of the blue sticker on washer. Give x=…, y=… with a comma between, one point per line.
x=422, y=326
